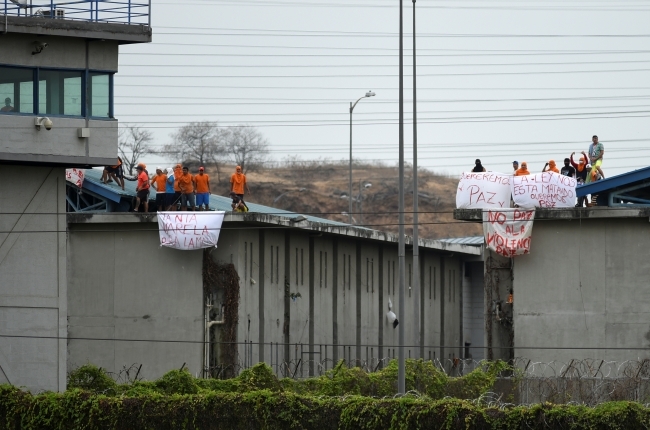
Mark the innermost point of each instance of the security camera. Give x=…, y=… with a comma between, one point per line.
x=39, y=47
x=43, y=121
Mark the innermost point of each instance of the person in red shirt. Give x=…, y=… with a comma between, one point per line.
x=186, y=185
x=142, y=189
x=202, y=182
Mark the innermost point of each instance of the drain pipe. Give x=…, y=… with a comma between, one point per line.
x=206, y=341
x=6, y=19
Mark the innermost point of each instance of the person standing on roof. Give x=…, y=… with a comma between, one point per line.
x=478, y=167
x=582, y=173
x=142, y=189
x=186, y=185
x=169, y=189
x=523, y=170
x=238, y=183
x=202, y=182
x=178, y=172
x=550, y=167
x=596, y=152
x=159, y=182
x=568, y=169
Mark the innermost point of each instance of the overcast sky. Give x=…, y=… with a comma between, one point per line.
x=497, y=80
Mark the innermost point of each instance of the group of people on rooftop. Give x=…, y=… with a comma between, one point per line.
x=586, y=170
x=176, y=185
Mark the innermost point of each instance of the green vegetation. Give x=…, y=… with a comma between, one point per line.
x=340, y=399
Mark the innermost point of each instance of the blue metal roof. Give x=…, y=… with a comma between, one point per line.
x=614, y=182
x=114, y=192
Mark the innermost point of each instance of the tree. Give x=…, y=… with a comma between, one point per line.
x=133, y=144
x=246, y=147
x=196, y=141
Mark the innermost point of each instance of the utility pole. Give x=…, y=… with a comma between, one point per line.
x=401, y=245
x=416, y=236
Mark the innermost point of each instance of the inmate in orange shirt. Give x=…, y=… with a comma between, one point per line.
x=238, y=181
x=185, y=183
x=178, y=172
x=202, y=183
x=161, y=181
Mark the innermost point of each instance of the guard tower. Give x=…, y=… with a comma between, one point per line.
x=58, y=60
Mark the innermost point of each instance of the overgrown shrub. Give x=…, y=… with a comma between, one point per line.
x=91, y=378
x=264, y=409
x=177, y=382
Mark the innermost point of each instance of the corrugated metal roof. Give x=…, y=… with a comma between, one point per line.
x=217, y=203
x=614, y=182
x=266, y=214
x=468, y=240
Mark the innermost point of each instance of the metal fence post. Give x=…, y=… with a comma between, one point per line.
x=129, y=11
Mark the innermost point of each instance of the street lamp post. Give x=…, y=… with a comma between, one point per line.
x=401, y=242
x=352, y=105
x=416, y=250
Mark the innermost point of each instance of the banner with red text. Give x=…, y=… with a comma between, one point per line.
x=507, y=232
x=76, y=176
x=483, y=190
x=544, y=190
x=189, y=230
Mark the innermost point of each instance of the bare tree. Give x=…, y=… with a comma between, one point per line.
x=246, y=147
x=196, y=141
x=133, y=144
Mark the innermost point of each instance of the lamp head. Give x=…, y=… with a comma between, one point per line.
x=370, y=94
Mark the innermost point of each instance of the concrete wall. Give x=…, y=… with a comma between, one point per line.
x=321, y=298
x=584, y=285
x=33, y=285
x=474, y=309
x=124, y=286
x=61, y=52
x=432, y=301
x=305, y=298
x=21, y=141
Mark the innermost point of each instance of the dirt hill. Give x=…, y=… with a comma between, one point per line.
x=321, y=189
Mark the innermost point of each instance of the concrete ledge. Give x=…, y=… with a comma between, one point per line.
x=257, y=219
x=123, y=33
x=566, y=213
x=54, y=160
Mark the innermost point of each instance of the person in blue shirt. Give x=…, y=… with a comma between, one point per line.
x=169, y=189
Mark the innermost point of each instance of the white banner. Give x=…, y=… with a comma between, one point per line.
x=76, y=176
x=507, y=232
x=544, y=190
x=189, y=230
x=483, y=190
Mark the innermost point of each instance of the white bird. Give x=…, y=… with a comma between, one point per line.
x=392, y=318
